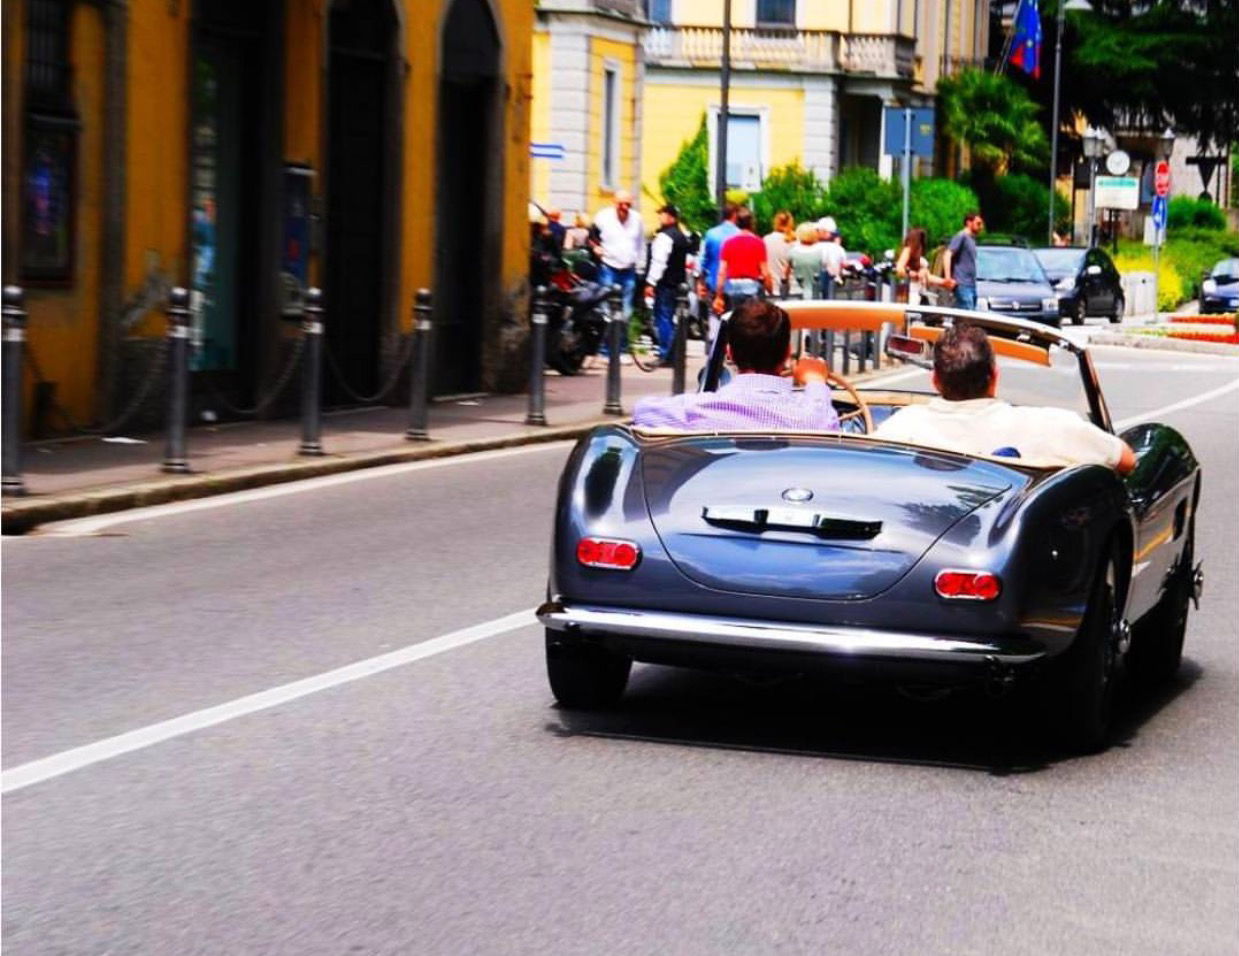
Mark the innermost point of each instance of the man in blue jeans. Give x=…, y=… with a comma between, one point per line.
x=959, y=263
x=668, y=254
x=711, y=247
x=621, y=247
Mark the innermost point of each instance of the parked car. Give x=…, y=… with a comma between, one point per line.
x=1010, y=280
x=1086, y=282
x=1220, y=290
x=787, y=553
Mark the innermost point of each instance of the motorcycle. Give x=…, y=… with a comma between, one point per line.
x=576, y=316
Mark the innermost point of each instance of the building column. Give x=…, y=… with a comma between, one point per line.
x=569, y=64
x=638, y=118
x=821, y=126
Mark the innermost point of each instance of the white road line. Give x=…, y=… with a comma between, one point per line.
x=46, y=768
x=79, y=527
x=1156, y=413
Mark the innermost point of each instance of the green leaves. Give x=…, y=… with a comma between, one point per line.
x=686, y=182
x=995, y=118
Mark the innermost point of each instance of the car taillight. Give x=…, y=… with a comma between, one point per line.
x=968, y=585
x=608, y=553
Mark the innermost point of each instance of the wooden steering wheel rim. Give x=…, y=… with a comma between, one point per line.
x=862, y=407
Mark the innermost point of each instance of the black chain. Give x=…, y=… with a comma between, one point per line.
x=281, y=383
x=135, y=404
x=338, y=374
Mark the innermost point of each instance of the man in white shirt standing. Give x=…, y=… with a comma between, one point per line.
x=833, y=255
x=967, y=418
x=620, y=246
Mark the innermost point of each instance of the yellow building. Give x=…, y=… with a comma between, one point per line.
x=247, y=150
x=809, y=77
x=587, y=102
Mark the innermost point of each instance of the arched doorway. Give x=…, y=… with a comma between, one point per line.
x=468, y=218
x=363, y=129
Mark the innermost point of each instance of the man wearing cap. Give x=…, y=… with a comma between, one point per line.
x=833, y=254
x=668, y=254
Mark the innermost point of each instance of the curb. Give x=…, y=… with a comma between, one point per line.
x=1164, y=343
x=20, y=516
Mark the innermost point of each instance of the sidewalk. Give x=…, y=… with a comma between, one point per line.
x=74, y=477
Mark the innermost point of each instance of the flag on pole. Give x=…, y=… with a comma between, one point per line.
x=1026, y=40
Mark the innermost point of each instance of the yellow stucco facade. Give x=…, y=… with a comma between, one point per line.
x=152, y=199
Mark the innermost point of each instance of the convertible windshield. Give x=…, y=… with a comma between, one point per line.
x=1058, y=385
x=1008, y=265
x=1060, y=262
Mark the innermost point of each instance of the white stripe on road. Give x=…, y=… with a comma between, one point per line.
x=37, y=771
x=1156, y=413
x=79, y=527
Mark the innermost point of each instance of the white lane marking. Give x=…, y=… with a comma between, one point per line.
x=893, y=377
x=37, y=771
x=1156, y=413
x=79, y=527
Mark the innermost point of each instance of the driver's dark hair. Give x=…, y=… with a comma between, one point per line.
x=759, y=334
x=963, y=362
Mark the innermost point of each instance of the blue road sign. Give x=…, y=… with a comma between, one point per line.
x=1159, y=212
x=553, y=151
x=922, y=130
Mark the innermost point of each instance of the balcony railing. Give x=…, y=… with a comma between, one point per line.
x=796, y=51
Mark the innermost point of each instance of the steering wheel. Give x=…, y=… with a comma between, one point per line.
x=862, y=407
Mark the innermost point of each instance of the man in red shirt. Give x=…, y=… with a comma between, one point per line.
x=742, y=270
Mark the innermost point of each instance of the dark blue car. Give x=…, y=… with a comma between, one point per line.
x=790, y=553
x=1219, y=292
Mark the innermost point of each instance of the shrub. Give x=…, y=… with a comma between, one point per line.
x=867, y=210
x=1185, y=257
x=1017, y=204
x=790, y=187
x=686, y=182
x=1185, y=212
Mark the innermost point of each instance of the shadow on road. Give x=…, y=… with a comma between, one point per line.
x=811, y=717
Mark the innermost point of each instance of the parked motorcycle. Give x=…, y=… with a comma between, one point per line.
x=576, y=316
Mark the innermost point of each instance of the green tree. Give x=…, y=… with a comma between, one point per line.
x=686, y=182
x=938, y=206
x=995, y=118
x=792, y=188
x=867, y=210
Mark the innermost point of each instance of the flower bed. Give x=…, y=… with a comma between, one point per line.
x=1204, y=319
x=1231, y=338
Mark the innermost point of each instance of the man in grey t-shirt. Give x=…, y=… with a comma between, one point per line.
x=960, y=261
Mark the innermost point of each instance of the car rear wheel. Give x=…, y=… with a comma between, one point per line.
x=1120, y=307
x=585, y=676
x=1080, y=689
x=1157, y=645
x=1079, y=311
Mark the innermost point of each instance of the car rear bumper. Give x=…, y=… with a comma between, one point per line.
x=641, y=627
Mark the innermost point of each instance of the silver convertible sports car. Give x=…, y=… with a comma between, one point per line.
x=799, y=552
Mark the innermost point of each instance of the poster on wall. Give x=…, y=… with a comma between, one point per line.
x=47, y=198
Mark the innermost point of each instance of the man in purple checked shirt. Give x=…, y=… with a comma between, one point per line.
x=761, y=396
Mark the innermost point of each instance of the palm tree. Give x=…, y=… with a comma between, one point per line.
x=995, y=118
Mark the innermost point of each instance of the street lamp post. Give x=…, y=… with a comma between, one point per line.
x=1094, y=143
x=720, y=180
x=1058, y=73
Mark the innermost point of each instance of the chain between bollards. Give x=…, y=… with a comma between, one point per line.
x=615, y=341
x=175, y=457
x=14, y=343
x=537, y=360
x=419, y=377
x=312, y=375
x=679, y=347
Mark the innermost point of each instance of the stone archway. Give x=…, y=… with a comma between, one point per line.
x=468, y=204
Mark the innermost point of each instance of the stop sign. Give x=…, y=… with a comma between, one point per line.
x=1161, y=178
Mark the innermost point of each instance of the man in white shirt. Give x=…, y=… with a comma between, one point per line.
x=968, y=418
x=620, y=246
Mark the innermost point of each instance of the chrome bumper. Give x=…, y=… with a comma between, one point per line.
x=813, y=638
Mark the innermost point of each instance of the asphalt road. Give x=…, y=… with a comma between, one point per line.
x=446, y=806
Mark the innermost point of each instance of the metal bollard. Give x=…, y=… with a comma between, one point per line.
x=847, y=352
x=175, y=457
x=14, y=344
x=679, y=347
x=537, y=361
x=312, y=375
x=419, y=377
x=615, y=340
